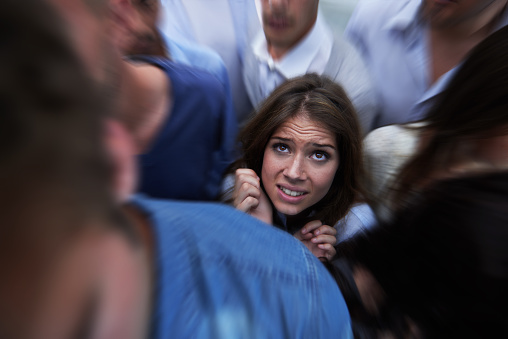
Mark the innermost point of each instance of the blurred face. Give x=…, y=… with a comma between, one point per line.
x=286, y=22
x=142, y=36
x=446, y=13
x=299, y=164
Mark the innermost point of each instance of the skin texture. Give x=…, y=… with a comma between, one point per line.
x=286, y=22
x=293, y=160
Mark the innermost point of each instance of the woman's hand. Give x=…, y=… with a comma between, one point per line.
x=318, y=238
x=249, y=197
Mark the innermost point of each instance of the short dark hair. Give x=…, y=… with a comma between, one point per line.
x=326, y=102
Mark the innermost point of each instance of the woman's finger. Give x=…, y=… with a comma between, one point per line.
x=325, y=229
x=247, y=204
x=324, y=239
x=329, y=251
x=311, y=226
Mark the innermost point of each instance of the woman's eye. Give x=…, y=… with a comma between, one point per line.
x=281, y=148
x=320, y=156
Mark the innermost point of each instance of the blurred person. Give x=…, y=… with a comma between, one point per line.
x=295, y=40
x=168, y=107
x=75, y=261
x=412, y=48
x=150, y=40
x=223, y=26
x=438, y=270
x=465, y=132
x=301, y=164
x=337, y=13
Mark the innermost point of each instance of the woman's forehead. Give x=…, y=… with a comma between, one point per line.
x=303, y=126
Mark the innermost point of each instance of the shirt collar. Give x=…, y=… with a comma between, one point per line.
x=408, y=15
x=298, y=60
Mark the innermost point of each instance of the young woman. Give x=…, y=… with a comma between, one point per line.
x=301, y=163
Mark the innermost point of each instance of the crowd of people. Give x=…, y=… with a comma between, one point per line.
x=236, y=169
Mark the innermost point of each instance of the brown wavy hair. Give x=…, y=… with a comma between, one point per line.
x=325, y=102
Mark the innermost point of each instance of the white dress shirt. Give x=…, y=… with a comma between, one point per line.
x=309, y=56
x=222, y=25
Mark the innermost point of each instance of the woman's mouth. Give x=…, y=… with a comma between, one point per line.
x=290, y=192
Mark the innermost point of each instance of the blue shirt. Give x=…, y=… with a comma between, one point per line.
x=391, y=36
x=196, y=142
x=221, y=26
x=223, y=274
x=202, y=57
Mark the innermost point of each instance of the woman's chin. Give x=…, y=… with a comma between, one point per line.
x=290, y=212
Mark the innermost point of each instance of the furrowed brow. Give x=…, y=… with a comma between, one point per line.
x=281, y=139
x=323, y=146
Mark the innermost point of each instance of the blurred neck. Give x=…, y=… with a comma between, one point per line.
x=144, y=101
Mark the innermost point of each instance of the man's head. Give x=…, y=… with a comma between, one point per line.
x=452, y=13
x=286, y=22
x=141, y=35
x=90, y=30
x=57, y=176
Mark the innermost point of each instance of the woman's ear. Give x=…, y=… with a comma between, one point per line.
x=120, y=148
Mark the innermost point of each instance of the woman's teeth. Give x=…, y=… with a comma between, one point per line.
x=291, y=193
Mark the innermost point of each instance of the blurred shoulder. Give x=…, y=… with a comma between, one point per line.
x=375, y=14
x=389, y=138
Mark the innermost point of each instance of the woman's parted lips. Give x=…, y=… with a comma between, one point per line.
x=297, y=190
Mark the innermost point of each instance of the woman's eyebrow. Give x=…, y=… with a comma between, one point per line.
x=281, y=139
x=314, y=144
x=324, y=145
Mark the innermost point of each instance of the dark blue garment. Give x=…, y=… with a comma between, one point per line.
x=223, y=274
x=195, y=145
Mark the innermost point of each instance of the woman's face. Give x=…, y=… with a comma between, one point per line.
x=299, y=164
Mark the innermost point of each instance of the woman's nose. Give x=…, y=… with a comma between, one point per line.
x=295, y=168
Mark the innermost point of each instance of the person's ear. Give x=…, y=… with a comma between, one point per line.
x=121, y=150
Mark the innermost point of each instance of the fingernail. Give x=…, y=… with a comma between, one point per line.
x=314, y=240
x=304, y=230
x=317, y=232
